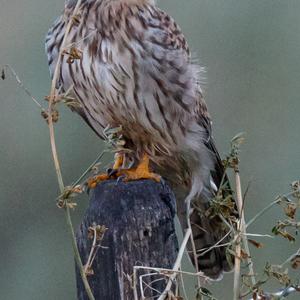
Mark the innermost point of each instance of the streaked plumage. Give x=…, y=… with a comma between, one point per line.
x=136, y=71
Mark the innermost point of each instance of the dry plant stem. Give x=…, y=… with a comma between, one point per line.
x=237, y=270
x=216, y=245
x=94, y=250
x=290, y=258
x=77, y=255
x=241, y=232
x=237, y=262
x=277, y=201
x=176, y=265
x=89, y=169
x=20, y=83
x=90, y=260
x=164, y=271
x=243, y=227
x=53, y=95
x=279, y=295
x=262, y=212
x=192, y=241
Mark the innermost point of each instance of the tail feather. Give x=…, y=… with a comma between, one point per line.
x=206, y=234
x=208, y=230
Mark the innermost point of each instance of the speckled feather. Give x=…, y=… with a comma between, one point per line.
x=136, y=71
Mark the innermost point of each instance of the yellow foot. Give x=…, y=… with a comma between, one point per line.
x=140, y=172
x=92, y=182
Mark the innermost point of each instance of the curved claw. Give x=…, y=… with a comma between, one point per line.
x=140, y=172
x=92, y=182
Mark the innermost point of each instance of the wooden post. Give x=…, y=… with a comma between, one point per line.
x=139, y=216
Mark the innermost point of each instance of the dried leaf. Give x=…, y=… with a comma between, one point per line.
x=73, y=54
x=295, y=262
x=88, y=271
x=99, y=230
x=71, y=205
x=3, y=74
x=244, y=254
x=283, y=199
x=275, y=230
x=256, y=244
x=277, y=273
x=286, y=235
x=55, y=115
x=290, y=210
x=296, y=189
x=238, y=139
x=204, y=292
x=113, y=131
x=78, y=189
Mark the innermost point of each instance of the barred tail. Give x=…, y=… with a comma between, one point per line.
x=211, y=259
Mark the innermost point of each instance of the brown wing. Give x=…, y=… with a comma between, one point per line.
x=206, y=231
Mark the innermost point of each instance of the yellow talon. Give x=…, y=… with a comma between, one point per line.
x=140, y=172
x=92, y=182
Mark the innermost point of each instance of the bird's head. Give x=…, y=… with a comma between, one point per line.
x=72, y=3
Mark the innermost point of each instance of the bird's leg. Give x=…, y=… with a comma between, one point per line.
x=140, y=172
x=119, y=159
x=112, y=173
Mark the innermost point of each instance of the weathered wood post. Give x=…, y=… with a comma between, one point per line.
x=139, y=216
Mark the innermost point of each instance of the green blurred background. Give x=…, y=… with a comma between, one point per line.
x=251, y=51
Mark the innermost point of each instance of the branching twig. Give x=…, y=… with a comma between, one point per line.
x=96, y=232
x=290, y=258
x=167, y=272
x=262, y=212
x=89, y=168
x=232, y=161
x=278, y=295
x=52, y=97
x=243, y=235
x=176, y=265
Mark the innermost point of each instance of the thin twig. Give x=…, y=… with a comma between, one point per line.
x=167, y=272
x=150, y=284
x=183, y=286
x=262, y=212
x=237, y=270
x=278, y=295
x=203, y=251
x=93, y=30
x=176, y=265
x=276, y=201
x=53, y=95
x=161, y=271
x=88, y=265
x=194, y=250
x=242, y=235
x=89, y=168
x=20, y=83
x=290, y=258
x=77, y=255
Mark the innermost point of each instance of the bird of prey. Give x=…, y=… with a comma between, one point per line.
x=129, y=65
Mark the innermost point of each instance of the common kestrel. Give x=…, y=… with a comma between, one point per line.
x=129, y=64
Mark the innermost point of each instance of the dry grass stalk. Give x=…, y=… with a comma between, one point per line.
x=52, y=97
